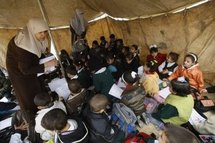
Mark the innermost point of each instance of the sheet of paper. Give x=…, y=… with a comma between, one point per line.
x=164, y=92
x=60, y=86
x=116, y=91
x=44, y=60
x=121, y=84
x=55, y=83
x=196, y=118
x=5, y=123
x=140, y=71
x=63, y=91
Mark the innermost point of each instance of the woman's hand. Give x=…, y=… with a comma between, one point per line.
x=51, y=63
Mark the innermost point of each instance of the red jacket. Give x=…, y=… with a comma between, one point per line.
x=160, y=58
x=194, y=74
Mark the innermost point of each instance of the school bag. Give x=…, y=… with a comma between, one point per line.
x=141, y=137
x=134, y=99
x=124, y=118
x=75, y=102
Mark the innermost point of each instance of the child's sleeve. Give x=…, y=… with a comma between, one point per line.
x=175, y=74
x=200, y=81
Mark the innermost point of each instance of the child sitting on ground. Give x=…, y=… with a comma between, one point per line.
x=150, y=78
x=169, y=66
x=191, y=71
x=155, y=55
x=133, y=95
x=101, y=130
x=77, y=97
x=178, y=105
x=66, y=129
x=44, y=103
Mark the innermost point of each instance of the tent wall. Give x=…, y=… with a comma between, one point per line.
x=183, y=32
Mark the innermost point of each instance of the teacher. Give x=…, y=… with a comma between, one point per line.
x=22, y=61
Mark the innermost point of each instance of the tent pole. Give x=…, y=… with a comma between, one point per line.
x=45, y=17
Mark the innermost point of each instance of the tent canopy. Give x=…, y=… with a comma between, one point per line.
x=15, y=13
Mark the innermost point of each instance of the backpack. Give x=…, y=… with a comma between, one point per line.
x=124, y=118
x=138, y=138
x=135, y=100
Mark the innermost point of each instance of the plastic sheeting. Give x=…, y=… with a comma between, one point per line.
x=192, y=30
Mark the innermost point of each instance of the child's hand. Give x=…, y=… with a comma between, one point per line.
x=165, y=71
x=23, y=126
x=204, y=91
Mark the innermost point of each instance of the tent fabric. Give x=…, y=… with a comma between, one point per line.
x=15, y=13
x=183, y=32
x=136, y=8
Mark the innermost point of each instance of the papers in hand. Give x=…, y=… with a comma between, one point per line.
x=164, y=92
x=116, y=91
x=196, y=118
x=45, y=60
x=60, y=86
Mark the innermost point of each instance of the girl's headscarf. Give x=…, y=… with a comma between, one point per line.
x=26, y=39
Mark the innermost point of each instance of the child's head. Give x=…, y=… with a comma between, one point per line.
x=180, y=86
x=102, y=38
x=112, y=37
x=78, y=64
x=172, y=57
x=95, y=44
x=119, y=42
x=175, y=134
x=134, y=49
x=98, y=103
x=42, y=100
x=129, y=57
x=70, y=72
x=74, y=86
x=130, y=77
x=151, y=66
x=54, y=120
x=110, y=58
x=190, y=60
x=153, y=50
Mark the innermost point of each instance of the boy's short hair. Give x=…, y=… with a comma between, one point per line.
x=102, y=38
x=152, y=65
x=98, y=102
x=174, y=56
x=130, y=77
x=70, y=70
x=135, y=46
x=153, y=50
x=181, y=88
x=74, y=86
x=55, y=119
x=175, y=134
x=42, y=99
x=129, y=56
x=112, y=36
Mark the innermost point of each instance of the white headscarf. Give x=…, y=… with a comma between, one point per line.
x=78, y=22
x=26, y=39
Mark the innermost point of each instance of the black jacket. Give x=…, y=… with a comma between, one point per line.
x=79, y=135
x=100, y=127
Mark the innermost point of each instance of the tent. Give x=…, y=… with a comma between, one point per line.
x=170, y=24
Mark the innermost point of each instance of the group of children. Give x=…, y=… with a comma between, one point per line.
x=111, y=63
